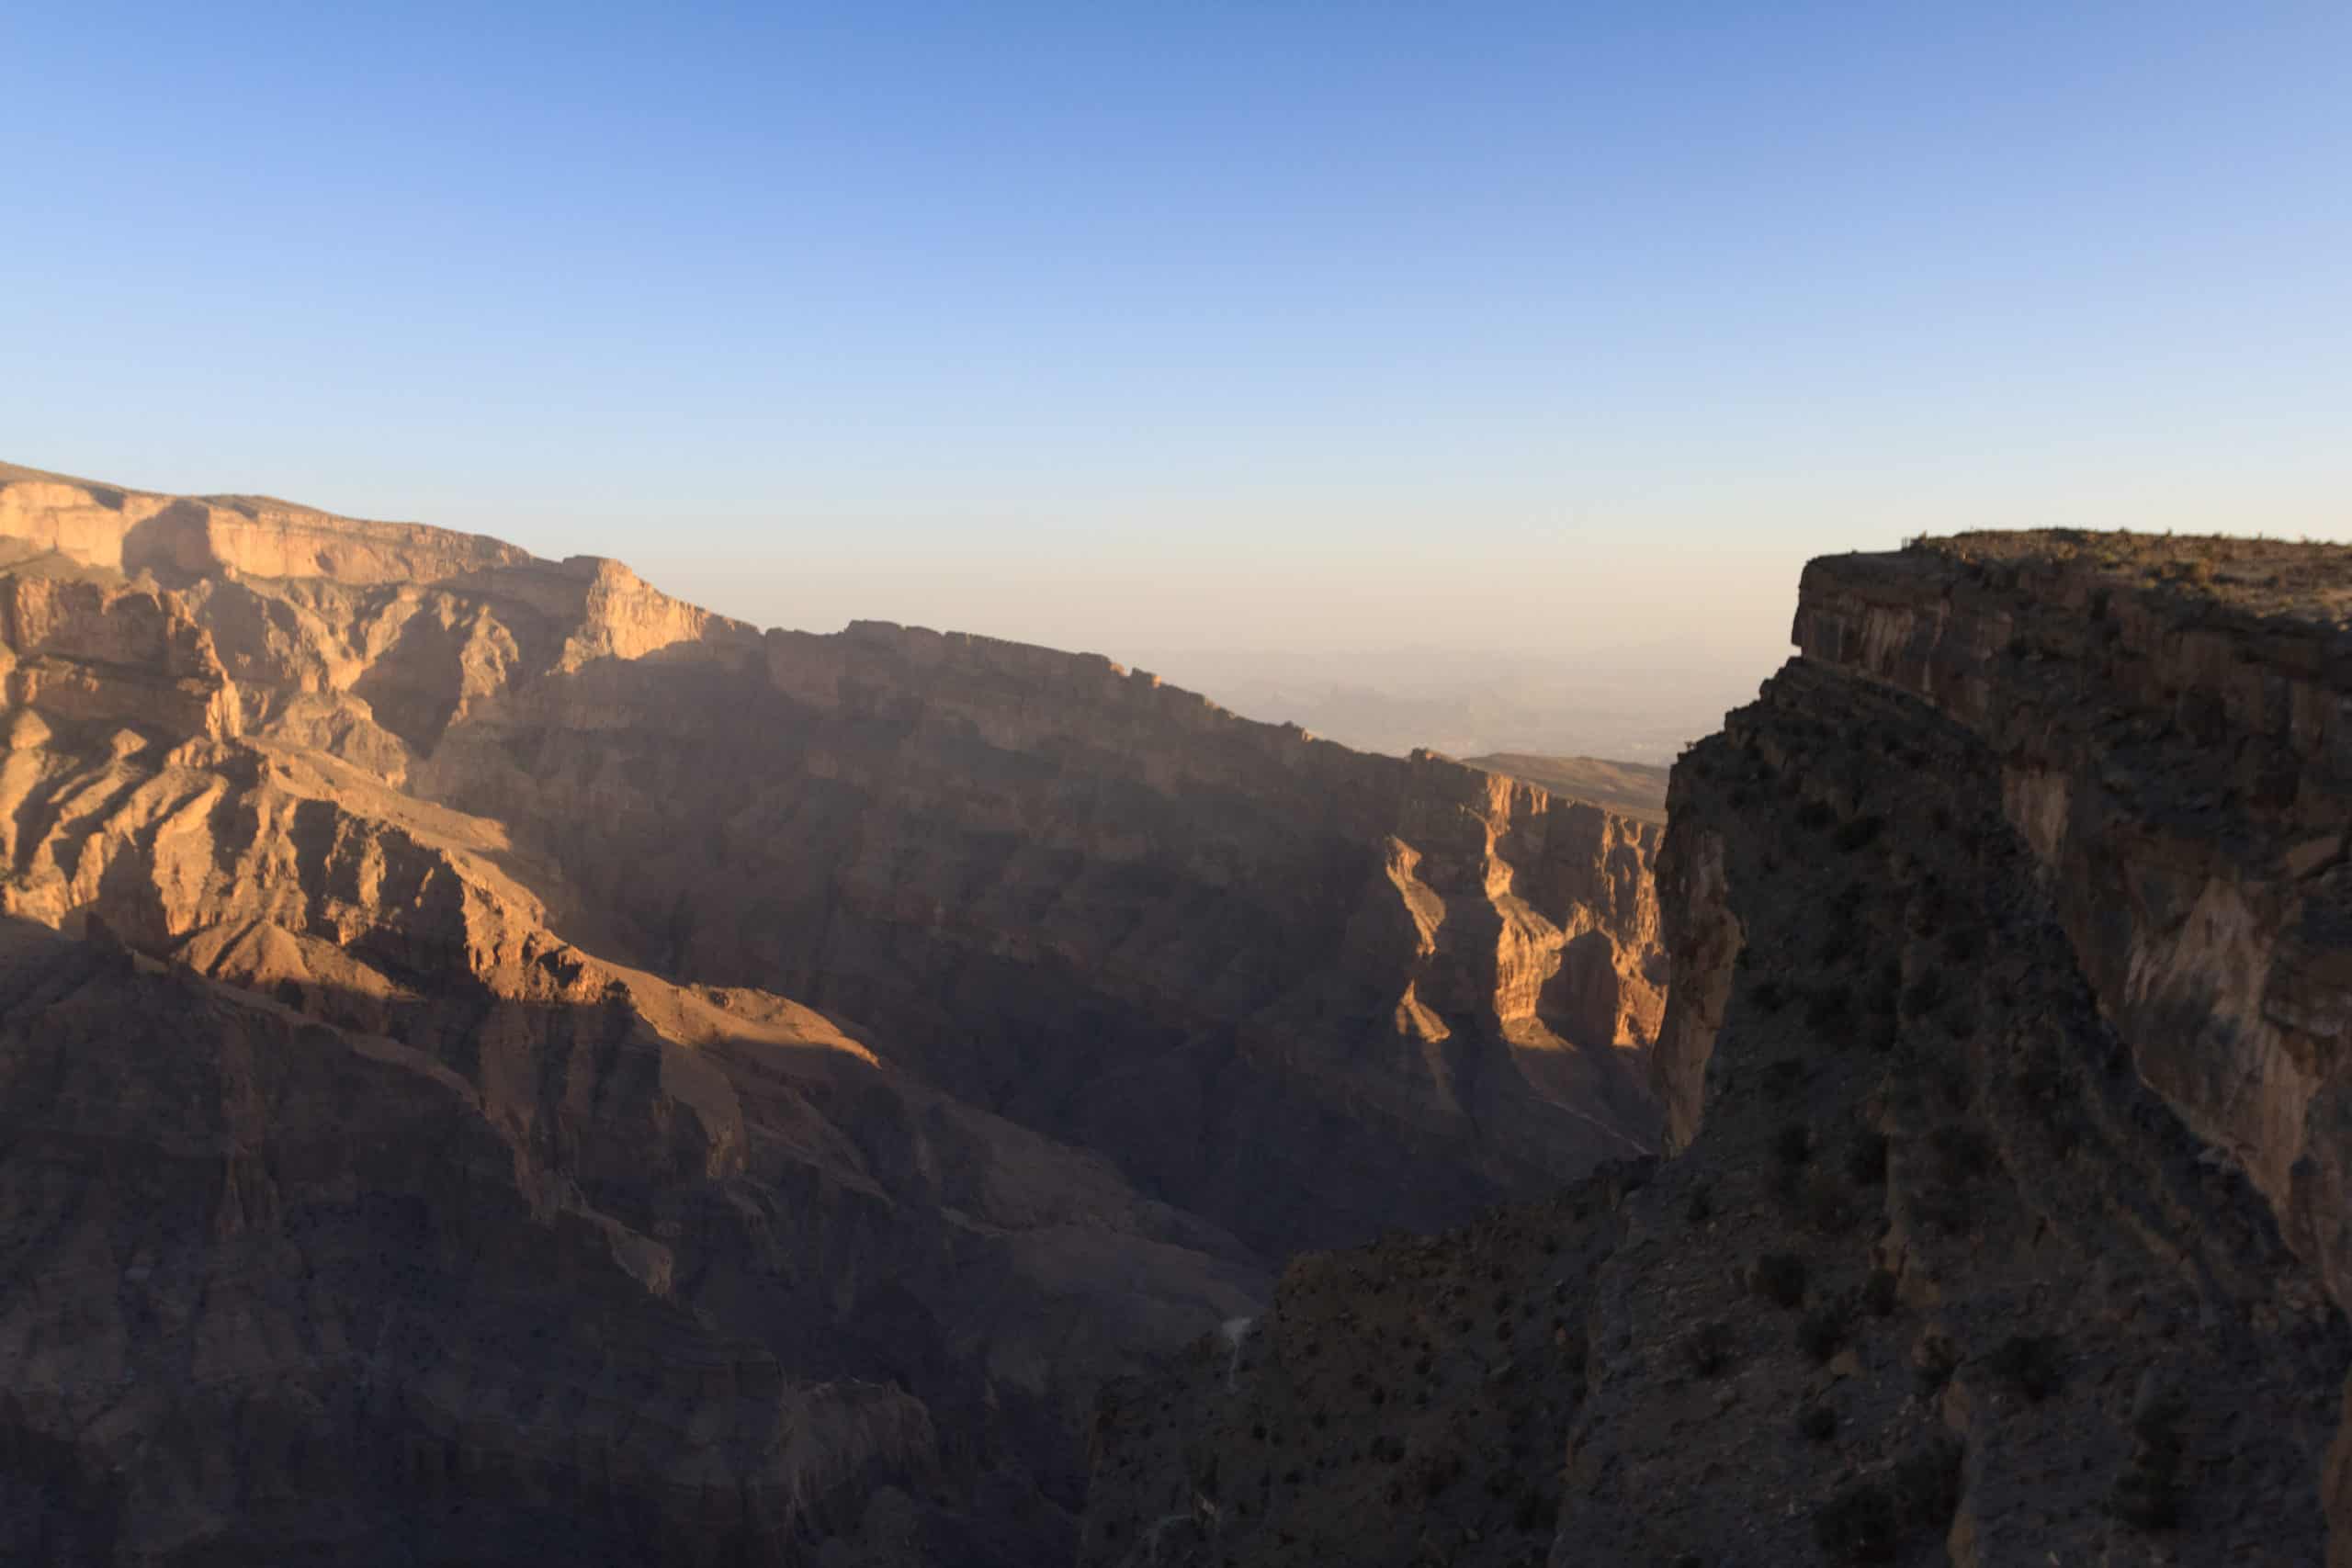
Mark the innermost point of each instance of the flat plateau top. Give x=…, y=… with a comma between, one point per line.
x=2299, y=580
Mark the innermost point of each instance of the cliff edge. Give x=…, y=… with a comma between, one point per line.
x=1998, y=1219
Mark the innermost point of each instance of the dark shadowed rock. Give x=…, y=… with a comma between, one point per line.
x=1995, y=1225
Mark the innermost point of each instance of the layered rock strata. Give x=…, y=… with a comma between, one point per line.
x=1961, y=1254
x=1062, y=889
x=2171, y=726
x=501, y=1064
x=503, y=1249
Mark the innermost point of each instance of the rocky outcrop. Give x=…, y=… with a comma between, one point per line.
x=1933, y=1274
x=2171, y=724
x=180, y=538
x=95, y=650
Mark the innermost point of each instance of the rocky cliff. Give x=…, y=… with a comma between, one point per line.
x=2001, y=936
x=1064, y=890
x=499, y=1062
x=2170, y=727
x=181, y=538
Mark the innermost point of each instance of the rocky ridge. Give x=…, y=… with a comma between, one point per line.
x=896, y=1033
x=1635, y=789
x=2000, y=936
x=2174, y=746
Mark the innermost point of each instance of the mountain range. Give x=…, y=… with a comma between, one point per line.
x=498, y=1064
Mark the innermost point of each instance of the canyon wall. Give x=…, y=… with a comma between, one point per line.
x=1248, y=965
x=2000, y=929
x=1251, y=965
x=360, y=1214
x=501, y=1063
x=179, y=538
x=2175, y=744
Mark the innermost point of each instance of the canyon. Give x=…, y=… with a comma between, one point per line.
x=1998, y=1220
x=498, y=1062
x=500, y=1065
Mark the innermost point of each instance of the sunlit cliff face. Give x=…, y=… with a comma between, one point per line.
x=910, y=1031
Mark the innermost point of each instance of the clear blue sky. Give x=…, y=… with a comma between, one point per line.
x=1272, y=324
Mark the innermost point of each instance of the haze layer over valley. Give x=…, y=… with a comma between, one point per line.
x=1644, y=705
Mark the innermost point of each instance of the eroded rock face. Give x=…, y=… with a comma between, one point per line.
x=178, y=538
x=96, y=650
x=1933, y=1274
x=816, y=1272
x=296, y=1296
x=2174, y=741
x=1251, y=966
x=581, y=1077
x=1110, y=910
x=1935, y=1277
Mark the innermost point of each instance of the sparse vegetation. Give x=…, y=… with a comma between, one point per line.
x=2034, y=1364
x=1857, y=833
x=1830, y=1012
x=1927, y=1482
x=1710, y=1347
x=1947, y=1209
x=1961, y=1153
x=1790, y=1147
x=1859, y=1524
x=1821, y=1333
x=1933, y=1363
x=1780, y=1278
x=1924, y=995
x=1829, y=1206
x=2147, y=1490
x=1949, y=1075
x=1866, y=1158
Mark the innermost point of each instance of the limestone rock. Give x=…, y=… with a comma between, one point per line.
x=1100, y=906
x=500, y=1065
x=1932, y=1274
x=2170, y=723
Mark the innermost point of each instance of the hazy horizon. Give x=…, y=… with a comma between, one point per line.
x=1514, y=333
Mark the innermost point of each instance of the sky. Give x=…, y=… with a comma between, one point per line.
x=1542, y=332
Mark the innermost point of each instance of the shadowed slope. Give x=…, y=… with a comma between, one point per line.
x=1065, y=891
x=887, y=1037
